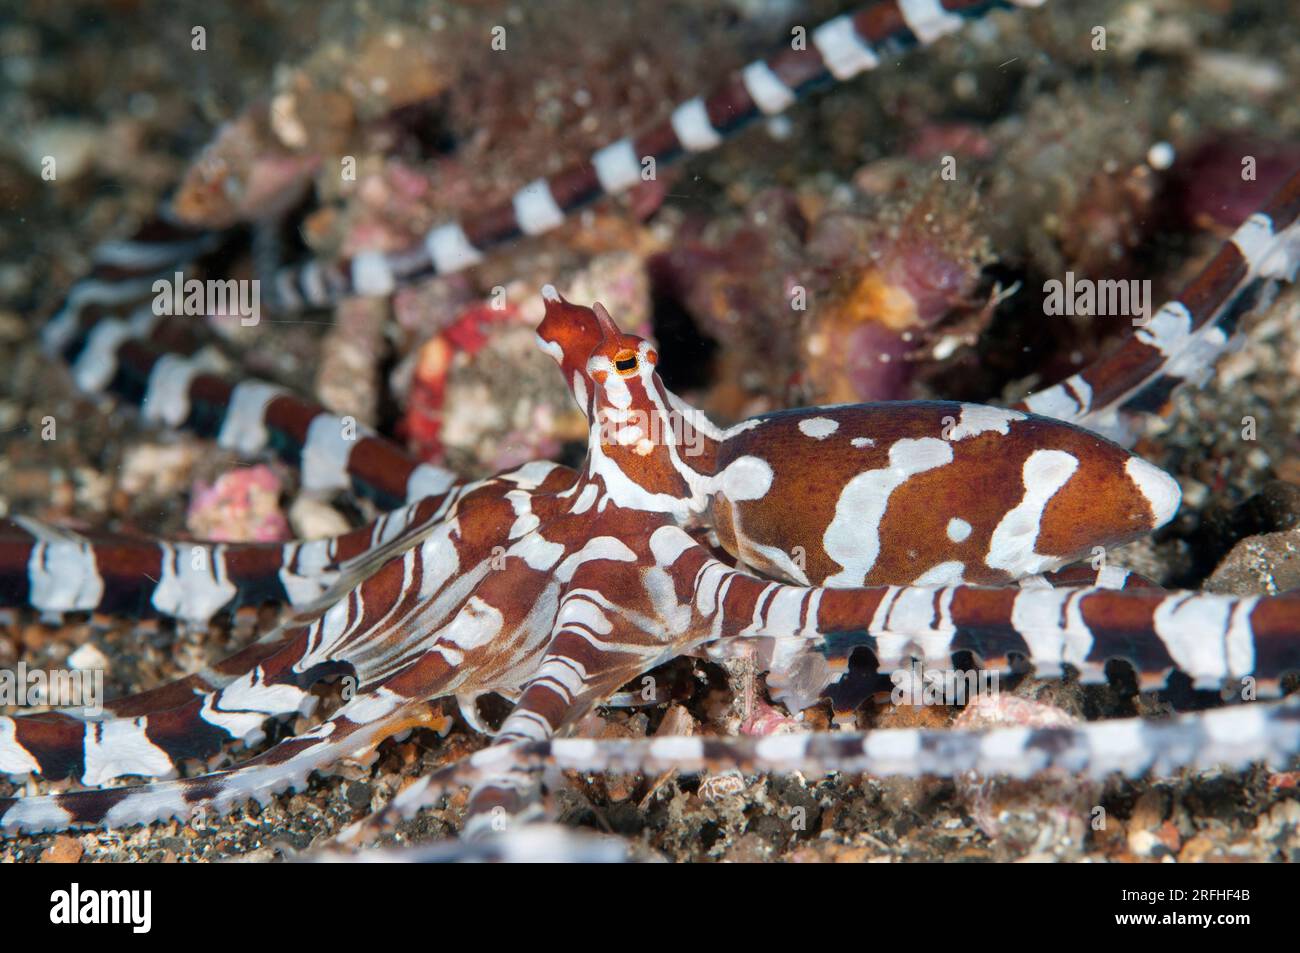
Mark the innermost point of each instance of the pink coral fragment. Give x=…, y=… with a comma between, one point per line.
x=243, y=505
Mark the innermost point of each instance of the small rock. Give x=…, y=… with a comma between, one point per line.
x=1285, y=814
x=71, y=146
x=358, y=795
x=298, y=804
x=62, y=850
x=1150, y=811
x=765, y=720
x=88, y=658
x=314, y=519
x=160, y=470
x=1169, y=836
x=718, y=787
x=1196, y=850
x=1048, y=814
x=1284, y=780
x=1145, y=844
x=1268, y=563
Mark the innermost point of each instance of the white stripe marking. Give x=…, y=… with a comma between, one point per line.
x=1241, y=639
x=980, y=418
x=617, y=166
x=1253, y=238
x=97, y=362
x=845, y=53
x=536, y=209
x=1052, y=625
x=151, y=256
x=1055, y=402
x=928, y=19
x=193, y=589
x=1160, y=490
x=313, y=284
x=14, y=758
x=428, y=480
x=1168, y=329
x=63, y=576
x=118, y=747
x=36, y=814
x=60, y=329
x=371, y=274
x=667, y=543
x=691, y=123
x=853, y=537
x=244, y=427
x=766, y=89
x=1194, y=629
x=326, y=452
x=167, y=398
x=1012, y=545
x=450, y=248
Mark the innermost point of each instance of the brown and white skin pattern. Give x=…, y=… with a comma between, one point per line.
x=57, y=571
x=930, y=493
x=554, y=588
x=1236, y=737
x=249, y=416
x=1184, y=337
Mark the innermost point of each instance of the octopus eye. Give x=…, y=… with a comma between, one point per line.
x=625, y=365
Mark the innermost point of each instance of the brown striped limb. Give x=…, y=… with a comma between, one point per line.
x=1233, y=737
x=55, y=570
x=253, y=417
x=1216, y=640
x=1181, y=341
x=352, y=732
x=836, y=51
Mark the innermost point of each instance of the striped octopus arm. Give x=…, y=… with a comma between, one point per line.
x=1236, y=737
x=385, y=631
x=1180, y=341
x=837, y=51
x=56, y=571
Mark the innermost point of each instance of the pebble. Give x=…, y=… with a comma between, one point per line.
x=314, y=519
x=1046, y=815
x=1267, y=563
x=359, y=794
x=64, y=849
x=88, y=658
x=1284, y=815
x=71, y=144
x=157, y=469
